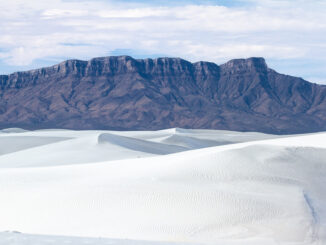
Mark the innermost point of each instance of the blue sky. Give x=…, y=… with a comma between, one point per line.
x=291, y=35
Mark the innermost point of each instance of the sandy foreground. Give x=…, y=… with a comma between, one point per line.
x=163, y=187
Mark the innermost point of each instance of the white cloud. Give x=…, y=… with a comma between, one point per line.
x=38, y=29
x=134, y=13
x=59, y=13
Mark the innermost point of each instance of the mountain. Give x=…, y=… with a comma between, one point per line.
x=123, y=93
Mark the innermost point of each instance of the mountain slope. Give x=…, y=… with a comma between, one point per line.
x=128, y=94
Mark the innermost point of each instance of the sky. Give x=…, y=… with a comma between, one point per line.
x=289, y=34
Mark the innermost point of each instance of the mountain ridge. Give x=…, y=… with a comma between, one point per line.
x=123, y=93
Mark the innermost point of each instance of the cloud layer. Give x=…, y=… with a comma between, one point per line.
x=291, y=35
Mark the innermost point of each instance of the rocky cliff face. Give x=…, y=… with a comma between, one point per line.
x=127, y=94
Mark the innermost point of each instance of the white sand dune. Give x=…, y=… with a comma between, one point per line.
x=92, y=148
x=17, y=238
x=176, y=185
x=10, y=144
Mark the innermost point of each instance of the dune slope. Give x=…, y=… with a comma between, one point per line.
x=170, y=185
